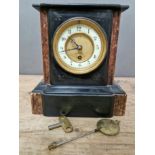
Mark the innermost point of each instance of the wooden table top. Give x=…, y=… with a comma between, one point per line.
x=35, y=136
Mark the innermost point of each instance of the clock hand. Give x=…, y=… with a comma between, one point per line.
x=70, y=49
x=78, y=47
x=73, y=41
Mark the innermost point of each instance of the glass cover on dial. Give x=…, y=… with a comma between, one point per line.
x=79, y=45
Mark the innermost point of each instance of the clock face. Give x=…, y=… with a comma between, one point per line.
x=79, y=45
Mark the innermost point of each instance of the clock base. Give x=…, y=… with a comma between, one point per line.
x=78, y=101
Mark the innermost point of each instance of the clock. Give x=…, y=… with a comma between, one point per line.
x=79, y=45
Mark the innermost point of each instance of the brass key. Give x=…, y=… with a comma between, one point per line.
x=64, y=123
x=105, y=126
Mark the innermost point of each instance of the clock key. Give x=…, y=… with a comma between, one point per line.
x=64, y=123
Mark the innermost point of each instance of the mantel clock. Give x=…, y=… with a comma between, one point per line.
x=79, y=44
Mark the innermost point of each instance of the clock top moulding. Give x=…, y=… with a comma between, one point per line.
x=117, y=9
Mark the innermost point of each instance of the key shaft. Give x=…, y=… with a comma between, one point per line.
x=53, y=126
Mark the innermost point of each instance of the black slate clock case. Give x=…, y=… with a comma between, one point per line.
x=85, y=95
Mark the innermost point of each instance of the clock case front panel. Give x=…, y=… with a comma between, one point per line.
x=58, y=75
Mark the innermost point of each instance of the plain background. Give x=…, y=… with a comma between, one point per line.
x=30, y=58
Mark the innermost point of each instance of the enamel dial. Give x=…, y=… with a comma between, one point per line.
x=79, y=45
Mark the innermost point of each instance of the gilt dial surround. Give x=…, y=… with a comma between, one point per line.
x=79, y=45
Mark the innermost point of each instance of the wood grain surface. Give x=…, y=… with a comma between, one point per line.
x=35, y=137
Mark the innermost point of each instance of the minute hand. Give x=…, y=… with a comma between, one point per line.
x=70, y=49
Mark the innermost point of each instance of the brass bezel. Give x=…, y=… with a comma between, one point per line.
x=90, y=23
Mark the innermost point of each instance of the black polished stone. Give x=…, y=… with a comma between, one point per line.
x=82, y=6
x=78, y=101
